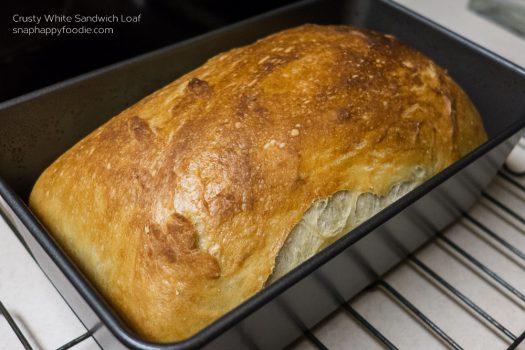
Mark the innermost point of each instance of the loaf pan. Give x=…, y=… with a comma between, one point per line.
x=38, y=127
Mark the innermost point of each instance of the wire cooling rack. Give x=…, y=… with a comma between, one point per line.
x=25, y=342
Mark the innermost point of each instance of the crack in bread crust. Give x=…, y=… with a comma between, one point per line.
x=330, y=218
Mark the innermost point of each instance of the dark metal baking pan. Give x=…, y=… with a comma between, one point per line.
x=36, y=128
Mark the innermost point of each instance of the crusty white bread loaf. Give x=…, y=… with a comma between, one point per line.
x=190, y=201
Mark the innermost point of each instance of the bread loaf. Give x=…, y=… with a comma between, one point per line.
x=192, y=200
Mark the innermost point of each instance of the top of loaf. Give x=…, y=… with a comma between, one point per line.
x=177, y=207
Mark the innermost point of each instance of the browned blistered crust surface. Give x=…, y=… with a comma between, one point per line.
x=177, y=207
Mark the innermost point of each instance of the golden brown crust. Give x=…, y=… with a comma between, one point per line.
x=177, y=207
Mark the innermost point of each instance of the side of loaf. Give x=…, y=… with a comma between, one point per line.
x=190, y=201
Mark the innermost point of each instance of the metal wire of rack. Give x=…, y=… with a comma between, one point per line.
x=514, y=339
x=23, y=340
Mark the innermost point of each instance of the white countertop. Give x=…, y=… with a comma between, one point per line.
x=39, y=310
x=454, y=15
